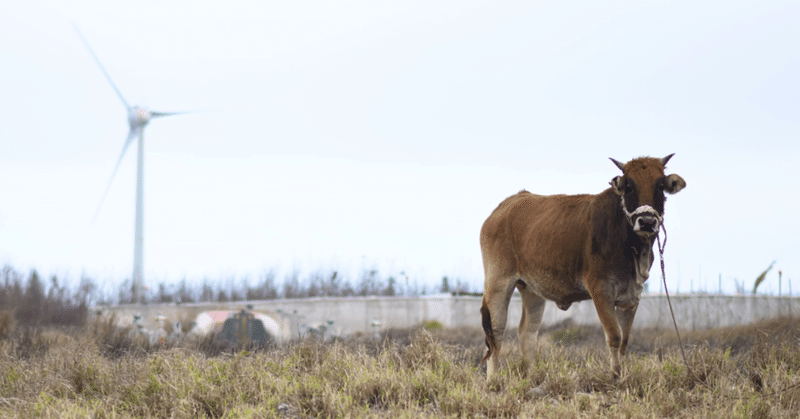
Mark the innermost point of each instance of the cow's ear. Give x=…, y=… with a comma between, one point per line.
x=674, y=183
x=618, y=185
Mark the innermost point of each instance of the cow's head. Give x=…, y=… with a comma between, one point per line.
x=641, y=188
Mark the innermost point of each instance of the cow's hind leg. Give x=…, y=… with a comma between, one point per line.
x=532, y=311
x=494, y=313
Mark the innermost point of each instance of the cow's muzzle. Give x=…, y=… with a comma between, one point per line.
x=646, y=224
x=645, y=220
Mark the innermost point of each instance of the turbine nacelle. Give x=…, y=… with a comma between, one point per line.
x=138, y=117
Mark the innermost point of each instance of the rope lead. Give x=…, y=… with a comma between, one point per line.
x=671, y=312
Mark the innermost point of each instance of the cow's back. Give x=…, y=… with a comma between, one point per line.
x=538, y=238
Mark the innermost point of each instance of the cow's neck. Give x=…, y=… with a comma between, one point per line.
x=639, y=249
x=642, y=255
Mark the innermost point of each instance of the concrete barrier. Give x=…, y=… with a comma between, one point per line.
x=345, y=316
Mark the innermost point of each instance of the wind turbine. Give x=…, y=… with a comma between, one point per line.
x=138, y=118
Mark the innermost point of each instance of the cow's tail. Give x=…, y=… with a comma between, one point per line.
x=486, y=320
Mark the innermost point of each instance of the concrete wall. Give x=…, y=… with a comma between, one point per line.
x=351, y=315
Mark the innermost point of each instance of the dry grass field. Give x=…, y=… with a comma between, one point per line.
x=99, y=371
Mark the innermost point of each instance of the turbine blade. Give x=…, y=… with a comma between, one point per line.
x=162, y=114
x=131, y=136
x=101, y=66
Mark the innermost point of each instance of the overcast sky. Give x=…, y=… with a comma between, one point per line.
x=355, y=135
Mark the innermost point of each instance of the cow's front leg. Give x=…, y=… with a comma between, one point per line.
x=625, y=319
x=608, y=318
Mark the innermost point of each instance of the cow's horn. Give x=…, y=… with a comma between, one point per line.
x=666, y=159
x=620, y=165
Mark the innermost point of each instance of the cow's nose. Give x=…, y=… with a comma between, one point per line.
x=647, y=224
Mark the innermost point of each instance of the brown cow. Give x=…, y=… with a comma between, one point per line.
x=568, y=248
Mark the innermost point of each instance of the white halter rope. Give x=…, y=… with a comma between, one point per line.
x=642, y=209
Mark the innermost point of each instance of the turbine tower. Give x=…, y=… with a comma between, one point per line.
x=138, y=118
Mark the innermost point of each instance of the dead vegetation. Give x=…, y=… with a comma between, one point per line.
x=104, y=371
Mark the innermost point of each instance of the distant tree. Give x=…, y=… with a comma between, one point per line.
x=390, y=291
x=11, y=292
x=413, y=291
x=184, y=294
x=291, y=286
x=316, y=284
x=369, y=284
x=222, y=296
x=346, y=290
x=265, y=289
x=16, y=292
x=270, y=290
x=56, y=292
x=163, y=296
x=87, y=291
x=61, y=308
x=34, y=292
x=33, y=302
x=253, y=294
x=235, y=291
x=332, y=286
x=237, y=295
x=125, y=296
x=445, y=285
x=461, y=287
x=207, y=295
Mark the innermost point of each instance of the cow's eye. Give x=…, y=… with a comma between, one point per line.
x=628, y=187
